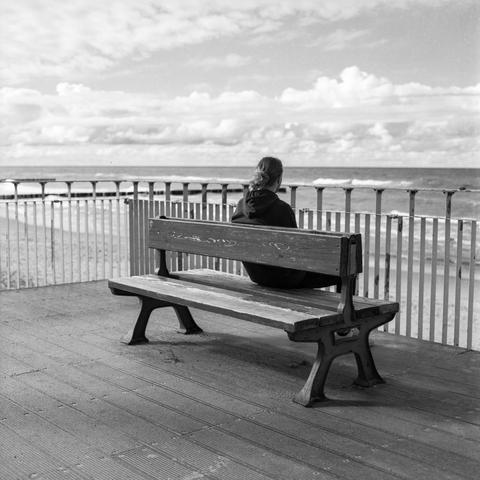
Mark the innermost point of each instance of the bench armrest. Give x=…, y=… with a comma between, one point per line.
x=345, y=307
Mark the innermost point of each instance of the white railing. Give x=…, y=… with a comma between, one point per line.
x=63, y=234
x=62, y=241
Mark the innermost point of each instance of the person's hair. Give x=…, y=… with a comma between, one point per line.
x=268, y=171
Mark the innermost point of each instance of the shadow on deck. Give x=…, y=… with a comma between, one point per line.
x=75, y=403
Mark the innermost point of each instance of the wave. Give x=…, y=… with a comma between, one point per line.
x=356, y=182
x=331, y=181
x=398, y=213
x=369, y=182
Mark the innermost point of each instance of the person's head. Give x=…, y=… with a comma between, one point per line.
x=268, y=174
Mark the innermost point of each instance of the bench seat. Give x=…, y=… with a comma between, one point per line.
x=324, y=300
x=236, y=296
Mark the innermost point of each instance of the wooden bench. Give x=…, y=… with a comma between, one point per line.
x=306, y=315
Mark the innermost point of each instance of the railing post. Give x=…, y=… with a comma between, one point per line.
x=7, y=238
x=151, y=254
x=44, y=227
x=446, y=263
x=95, y=253
x=204, y=201
x=185, y=200
x=70, y=232
x=433, y=280
x=366, y=256
x=62, y=240
x=458, y=283
x=27, y=253
x=338, y=221
x=87, y=240
x=348, y=207
x=398, y=281
x=301, y=218
x=224, y=201
x=134, y=240
x=388, y=238
x=52, y=241
x=119, y=236
x=328, y=221
x=310, y=219
x=2, y=250
x=378, y=228
x=319, y=207
x=142, y=248
x=35, y=236
x=17, y=229
x=168, y=199
x=471, y=285
x=411, y=232
x=421, y=277
x=293, y=196
x=131, y=236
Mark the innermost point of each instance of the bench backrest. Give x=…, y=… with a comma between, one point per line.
x=331, y=253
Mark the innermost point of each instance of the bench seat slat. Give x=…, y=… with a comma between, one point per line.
x=306, y=296
x=264, y=309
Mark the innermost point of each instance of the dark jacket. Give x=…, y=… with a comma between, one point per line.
x=263, y=207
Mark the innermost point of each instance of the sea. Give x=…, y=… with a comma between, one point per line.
x=431, y=183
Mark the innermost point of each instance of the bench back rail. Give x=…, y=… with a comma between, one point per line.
x=338, y=254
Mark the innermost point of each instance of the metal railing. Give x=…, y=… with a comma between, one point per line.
x=65, y=234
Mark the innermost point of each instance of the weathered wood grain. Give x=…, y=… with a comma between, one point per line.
x=245, y=305
x=289, y=248
x=311, y=297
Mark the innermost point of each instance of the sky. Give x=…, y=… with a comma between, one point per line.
x=217, y=82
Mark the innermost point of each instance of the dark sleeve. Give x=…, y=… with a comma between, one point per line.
x=287, y=218
x=238, y=213
x=292, y=219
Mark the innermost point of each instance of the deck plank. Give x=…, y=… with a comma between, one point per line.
x=218, y=404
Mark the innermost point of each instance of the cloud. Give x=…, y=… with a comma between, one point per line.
x=342, y=39
x=339, y=39
x=356, y=88
x=59, y=38
x=356, y=116
x=232, y=60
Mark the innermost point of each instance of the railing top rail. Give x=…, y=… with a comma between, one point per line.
x=28, y=180
x=351, y=185
x=169, y=179
x=238, y=181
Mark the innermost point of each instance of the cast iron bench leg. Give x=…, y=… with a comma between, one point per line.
x=138, y=334
x=329, y=348
x=367, y=372
x=312, y=391
x=187, y=323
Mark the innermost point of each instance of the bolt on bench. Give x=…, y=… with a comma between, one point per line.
x=306, y=315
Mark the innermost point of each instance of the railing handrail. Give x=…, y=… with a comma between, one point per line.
x=341, y=185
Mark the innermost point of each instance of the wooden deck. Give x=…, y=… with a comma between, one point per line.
x=75, y=403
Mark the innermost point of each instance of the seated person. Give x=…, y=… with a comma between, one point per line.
x=261, y=206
